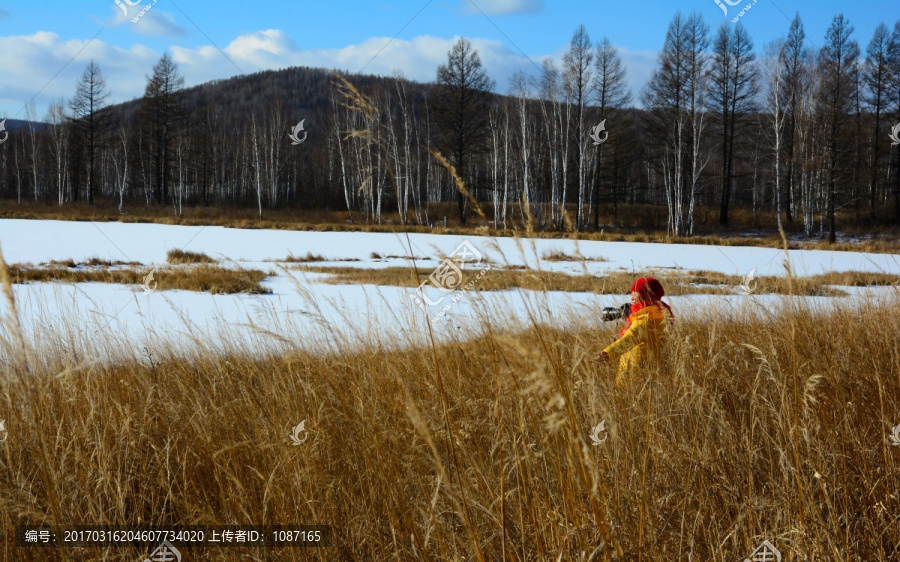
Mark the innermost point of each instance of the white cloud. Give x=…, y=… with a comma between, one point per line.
x=35, y=59
x=39, y=65
x=502, y=7
x=159, y=24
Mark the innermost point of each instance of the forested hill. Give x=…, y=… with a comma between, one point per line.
x=302, y=92
x=14, y=125
x=785, y=132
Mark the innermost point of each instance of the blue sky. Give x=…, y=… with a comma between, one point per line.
x=39, y=38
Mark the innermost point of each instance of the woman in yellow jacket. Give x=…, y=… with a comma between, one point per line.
x=644, y=334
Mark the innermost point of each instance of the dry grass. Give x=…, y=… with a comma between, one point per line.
x=180, y=256
x=202, y=278
x=312, y=258
x=559, y=256
x=615, y=282
x=747, y=430
x=309, y=257
x=92, y=262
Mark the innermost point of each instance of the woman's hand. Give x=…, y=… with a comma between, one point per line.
x=601, y=359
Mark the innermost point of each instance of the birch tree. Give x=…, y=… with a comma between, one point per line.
x=59, y=140
x=666, y=99
x=774, y=75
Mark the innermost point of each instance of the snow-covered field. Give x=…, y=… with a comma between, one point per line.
x=304, y=313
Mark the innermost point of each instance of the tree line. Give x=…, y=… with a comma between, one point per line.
x=792, y=133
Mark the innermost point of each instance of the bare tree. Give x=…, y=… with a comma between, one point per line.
x=521, y=91
x=59, y=140
x=733, y=94
x=797, y=58
x=161, y=113
x=875, y=76
x=90, y=125
x=697, y=42
x=839, y=58
x=775, y=74
x=555, y=111
x=31, y=113
x=577, y=75
x=665, y=96
x=459, y=106
x=121, y=174
x=611, y=94
x=893, y=94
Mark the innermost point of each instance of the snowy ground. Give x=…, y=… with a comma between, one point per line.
x=304, y=313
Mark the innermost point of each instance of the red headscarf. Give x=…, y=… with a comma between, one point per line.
x=651, y=292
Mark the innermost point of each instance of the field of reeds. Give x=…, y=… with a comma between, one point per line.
x=750, y=428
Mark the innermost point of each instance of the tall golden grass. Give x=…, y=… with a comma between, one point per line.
x=756, y=424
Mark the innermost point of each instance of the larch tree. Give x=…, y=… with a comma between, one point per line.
x=733, y=94
x=89, y=124
x=460, y=108
x=876, y=79
x=795, y=84
x=611, y=94
x=577, y=74
x=162, y=115
x=893, y=94
x=839, y=57
x=665, y=97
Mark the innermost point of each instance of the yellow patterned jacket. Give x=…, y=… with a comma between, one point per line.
x=641, y=341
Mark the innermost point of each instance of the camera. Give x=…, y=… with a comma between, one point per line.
x=611, y=313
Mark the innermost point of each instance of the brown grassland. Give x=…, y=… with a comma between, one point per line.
x=203, y=277
x=178, y=256
x=615, y=282
x=750, y=427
